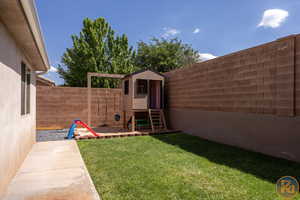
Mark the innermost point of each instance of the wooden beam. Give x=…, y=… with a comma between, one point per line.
x=148, y=94
x=89, y=86
x=163, y=118
x=89, y=99
x=151, y=120
x=133, y=122
x=162, y=94
x=118, y=76
x=124, y=120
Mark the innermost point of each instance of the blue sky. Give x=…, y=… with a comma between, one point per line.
x=214, y=27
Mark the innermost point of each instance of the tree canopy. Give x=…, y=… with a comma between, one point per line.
x=164, y=55
x=96, y=49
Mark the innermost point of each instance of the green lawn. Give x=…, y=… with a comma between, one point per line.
x=180, y=166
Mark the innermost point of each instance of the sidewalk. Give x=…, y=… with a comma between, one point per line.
x=52, y=170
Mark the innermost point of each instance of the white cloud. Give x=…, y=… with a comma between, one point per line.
x=206, y=56
x=53, y=69
x=170, y=32
x=273, y=18
x=197, y=30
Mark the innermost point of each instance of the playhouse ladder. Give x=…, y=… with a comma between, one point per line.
x=157, y=119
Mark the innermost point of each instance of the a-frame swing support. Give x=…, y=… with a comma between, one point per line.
x=89, y=86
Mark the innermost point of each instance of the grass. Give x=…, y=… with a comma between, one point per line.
x=180, y=166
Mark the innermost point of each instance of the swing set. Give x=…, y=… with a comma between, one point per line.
x=142, y=102
x=88, y=126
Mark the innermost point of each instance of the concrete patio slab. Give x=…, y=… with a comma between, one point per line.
x=52, y=171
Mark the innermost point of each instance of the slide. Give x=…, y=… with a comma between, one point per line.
x=74, y=125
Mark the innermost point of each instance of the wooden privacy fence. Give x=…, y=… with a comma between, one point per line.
x=57, y=107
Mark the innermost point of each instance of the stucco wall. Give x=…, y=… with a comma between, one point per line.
x=248, y=99
x=17, y=132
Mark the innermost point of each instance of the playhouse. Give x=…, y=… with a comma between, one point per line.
x=142, y=99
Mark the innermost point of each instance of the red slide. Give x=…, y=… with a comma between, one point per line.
x=78, y=122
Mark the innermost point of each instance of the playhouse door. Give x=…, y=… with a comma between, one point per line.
x=155, y=94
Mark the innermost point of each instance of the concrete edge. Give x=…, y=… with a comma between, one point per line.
x=93, y=188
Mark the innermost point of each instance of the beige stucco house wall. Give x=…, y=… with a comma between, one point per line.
x=20, y=41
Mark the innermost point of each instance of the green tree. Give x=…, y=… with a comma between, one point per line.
x=96, y=49
x=163, y=55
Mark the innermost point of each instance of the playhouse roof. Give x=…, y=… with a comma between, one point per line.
x=144, y=70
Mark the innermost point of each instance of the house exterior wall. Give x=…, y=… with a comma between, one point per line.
x=249, y=99
x=20, y=18
x=17, y=131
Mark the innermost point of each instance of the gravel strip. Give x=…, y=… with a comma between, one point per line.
x=51, y=135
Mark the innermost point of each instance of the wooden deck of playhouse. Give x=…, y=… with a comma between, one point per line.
x=109, y=132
